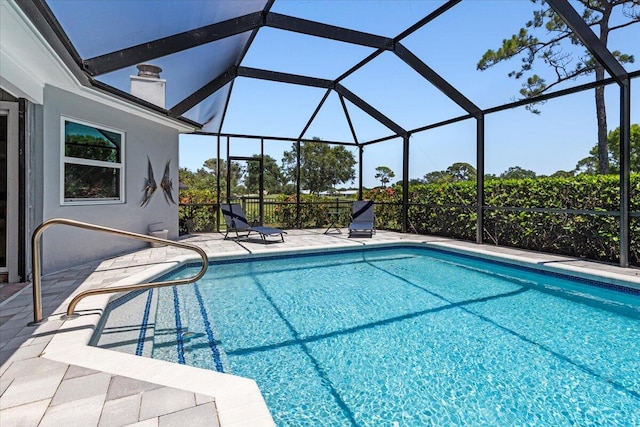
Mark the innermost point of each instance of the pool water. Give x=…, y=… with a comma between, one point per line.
x=410, y=337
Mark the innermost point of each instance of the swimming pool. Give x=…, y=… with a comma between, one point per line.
x=410, y=337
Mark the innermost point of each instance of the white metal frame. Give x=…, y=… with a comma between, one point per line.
x=75, y=160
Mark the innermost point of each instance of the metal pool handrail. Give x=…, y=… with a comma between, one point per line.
x=36, y=263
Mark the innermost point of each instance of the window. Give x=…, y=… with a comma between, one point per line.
x=93, y=163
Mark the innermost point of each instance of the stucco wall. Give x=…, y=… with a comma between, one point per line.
x=64, y=246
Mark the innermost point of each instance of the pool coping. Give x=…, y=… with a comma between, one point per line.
x=544, y=265
x=238, y=400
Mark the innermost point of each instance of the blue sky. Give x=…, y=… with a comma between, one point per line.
x=451, y=45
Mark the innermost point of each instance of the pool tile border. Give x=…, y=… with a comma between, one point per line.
x=576, y=275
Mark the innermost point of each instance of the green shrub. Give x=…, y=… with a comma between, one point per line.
x=448, y=209
x=388, y=207
x=314, y=211
x=193, y=218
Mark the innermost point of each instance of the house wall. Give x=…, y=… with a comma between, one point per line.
x=64, y=246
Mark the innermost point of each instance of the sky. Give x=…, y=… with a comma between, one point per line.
x=554, y=140
x=451, y=45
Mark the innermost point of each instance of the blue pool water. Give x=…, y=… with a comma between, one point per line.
x=410, y=337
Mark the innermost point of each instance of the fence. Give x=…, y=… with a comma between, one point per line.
x=205, y=217
x=589, y=234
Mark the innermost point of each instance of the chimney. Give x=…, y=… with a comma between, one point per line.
x=148, y=85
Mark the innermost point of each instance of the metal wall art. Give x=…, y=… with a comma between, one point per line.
x=150, y=185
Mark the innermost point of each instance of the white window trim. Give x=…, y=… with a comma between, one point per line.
x=88, y=162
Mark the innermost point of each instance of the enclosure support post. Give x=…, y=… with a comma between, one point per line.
x=218, y=182
x=360, y=167
x=405, y=183
x=480, y=178
x=298, y=183
x=228, y=173
x=606, y=58
x=625, y=169
x=261, y=183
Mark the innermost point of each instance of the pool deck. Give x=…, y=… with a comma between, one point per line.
x=50, y=377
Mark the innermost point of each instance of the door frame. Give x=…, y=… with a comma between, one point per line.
x=11, y=110
x=260, y=162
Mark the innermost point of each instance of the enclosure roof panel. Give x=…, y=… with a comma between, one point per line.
x=100, y=27
x=202, y=47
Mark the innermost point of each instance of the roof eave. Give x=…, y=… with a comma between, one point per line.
x=41, y=17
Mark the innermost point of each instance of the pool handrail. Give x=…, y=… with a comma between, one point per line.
x=36, y=265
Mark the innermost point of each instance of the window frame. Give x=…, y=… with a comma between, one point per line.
x=64, y=160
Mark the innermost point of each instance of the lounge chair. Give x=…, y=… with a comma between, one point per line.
x=236, y=221
x=362, y=219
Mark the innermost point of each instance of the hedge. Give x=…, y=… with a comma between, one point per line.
x=448, y=209
x=314, y=211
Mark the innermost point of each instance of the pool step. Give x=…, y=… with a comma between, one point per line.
x=128, y=324
x=184, y=330
x=132, y=324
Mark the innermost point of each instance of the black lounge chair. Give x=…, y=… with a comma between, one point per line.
x=362, y=219
x=236, y=221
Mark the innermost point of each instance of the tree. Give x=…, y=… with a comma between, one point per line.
x=205, y=178
x=237, y=173
x=322, y=167
x=384, y=174
x=562, y=174
x=458, y=171
x=437, y=177
x=552, y=51
x=273, y=178
x=589, y=165
x=202, y=179
x=462, y=171
x=186, y=177
x=236, y=170
x=516, y=172
x=614, y=149
x=91, y=147
x=412, y=182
